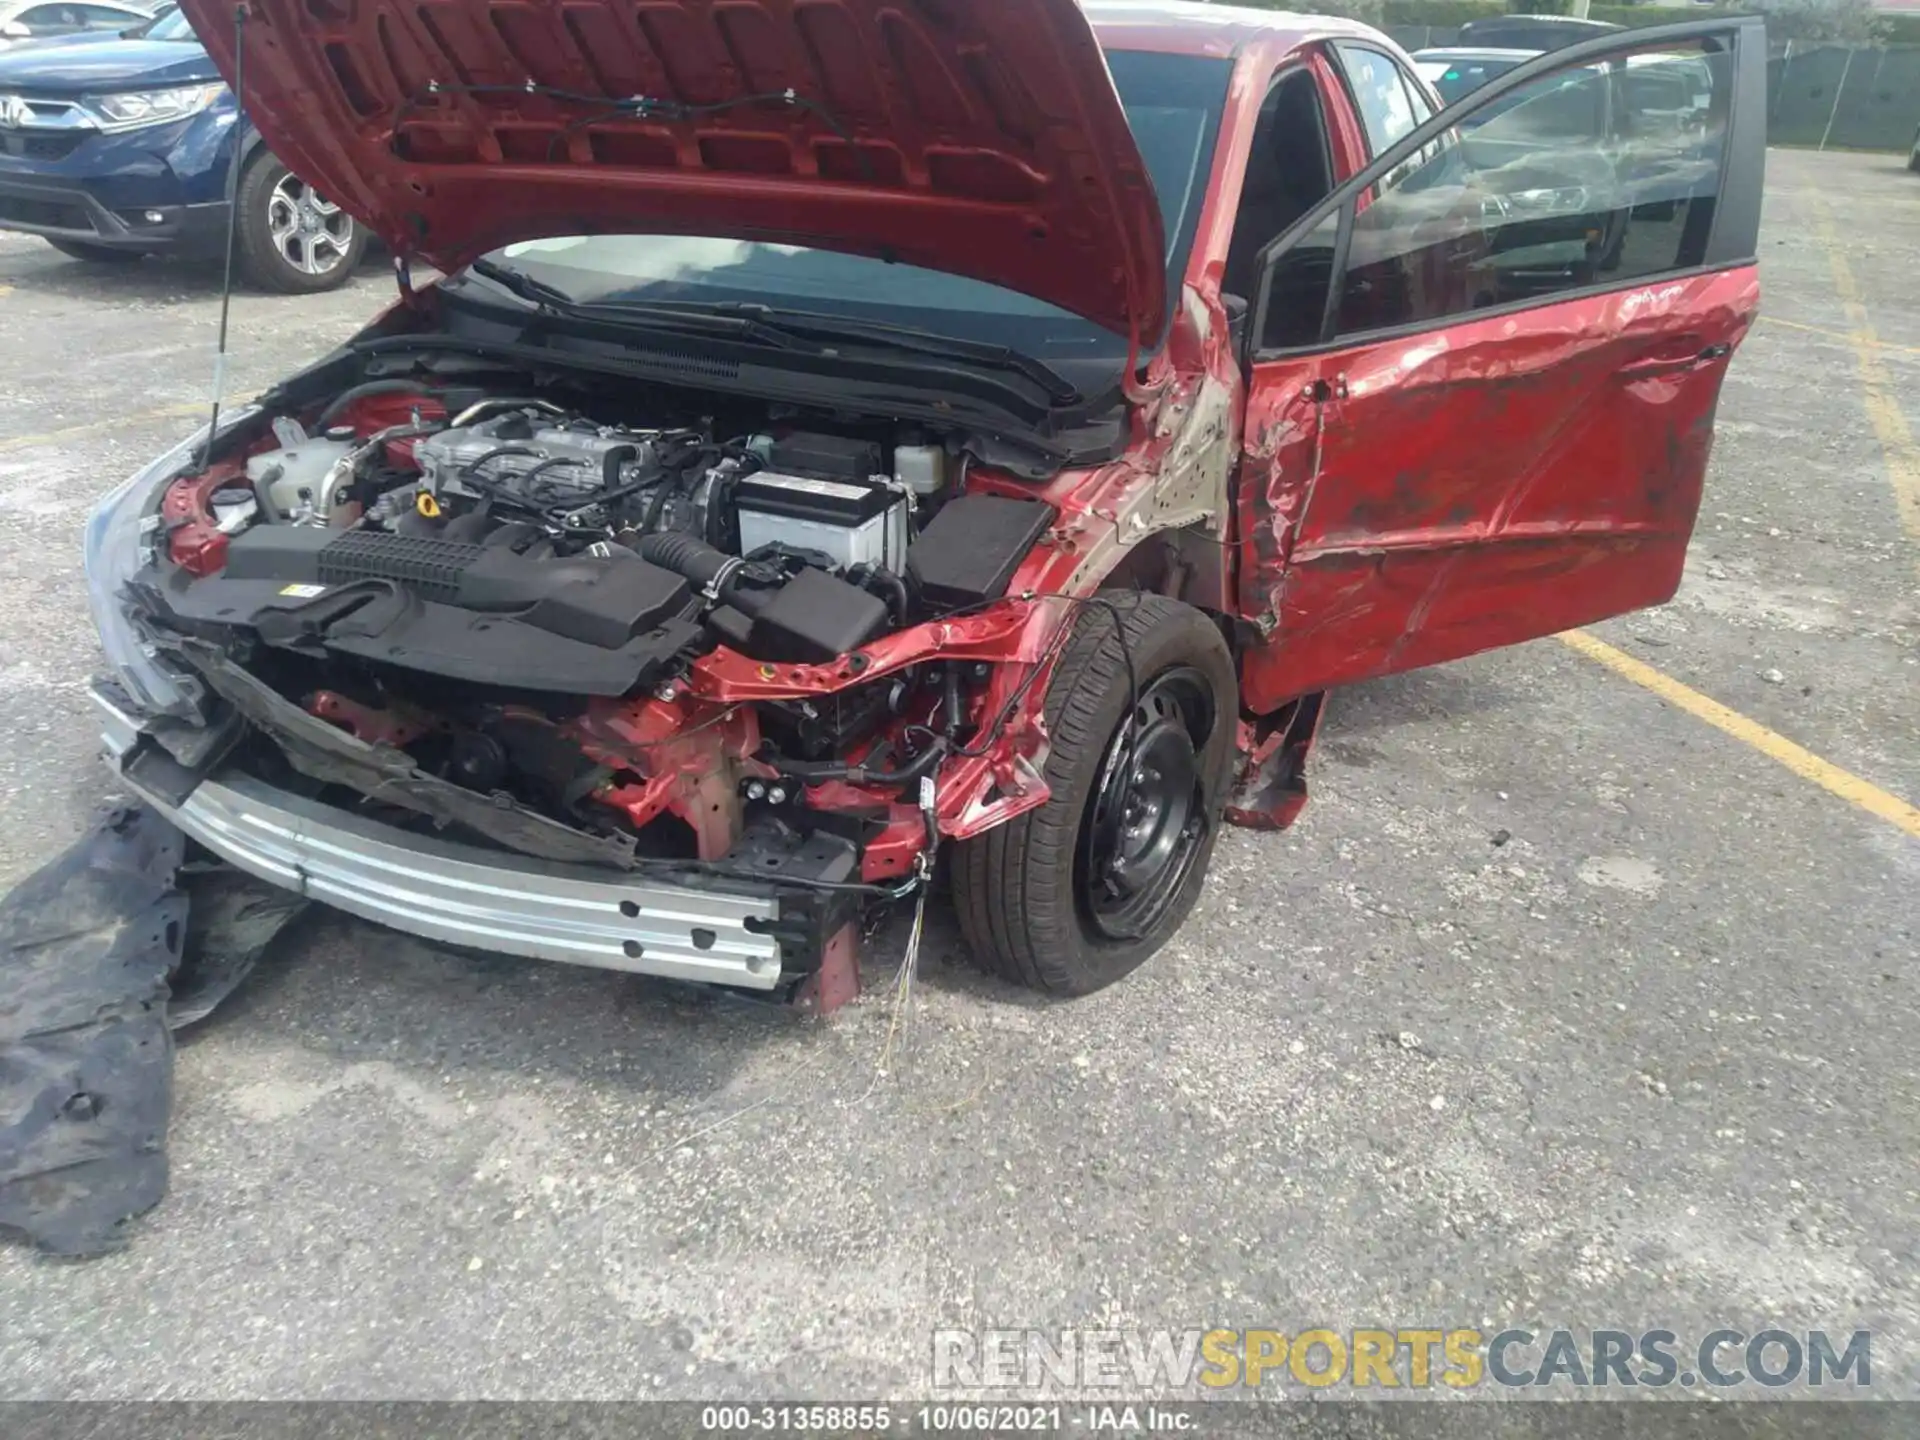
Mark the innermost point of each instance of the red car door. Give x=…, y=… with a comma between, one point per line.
x=1484, y=370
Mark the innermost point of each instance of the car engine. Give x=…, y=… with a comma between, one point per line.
x=568, y=468
x=521, y=544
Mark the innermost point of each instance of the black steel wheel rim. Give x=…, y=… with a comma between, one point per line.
x=1147, y=820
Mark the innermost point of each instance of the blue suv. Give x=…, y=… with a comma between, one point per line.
x=114, y=146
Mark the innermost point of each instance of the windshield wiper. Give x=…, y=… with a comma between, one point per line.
x=554, y=300
x=548, y=297
x=792, y=330
x=697, y=322
x=1060, y=390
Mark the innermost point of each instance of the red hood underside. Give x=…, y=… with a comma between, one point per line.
x=978, y=137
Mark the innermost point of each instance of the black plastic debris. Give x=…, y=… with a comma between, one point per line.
x=231, y=919
x=86, y=1060
x=89, y=945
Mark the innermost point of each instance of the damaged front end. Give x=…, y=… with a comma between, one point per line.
x=505, y=667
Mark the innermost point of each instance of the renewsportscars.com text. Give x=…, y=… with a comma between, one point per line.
x=1156, y=1361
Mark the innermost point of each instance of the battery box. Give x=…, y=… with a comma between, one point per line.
x=855, y=522
x=966, y=555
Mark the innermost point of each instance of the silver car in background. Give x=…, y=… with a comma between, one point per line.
x=43, y=19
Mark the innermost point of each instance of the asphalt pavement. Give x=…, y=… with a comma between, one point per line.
x=1560, y=1006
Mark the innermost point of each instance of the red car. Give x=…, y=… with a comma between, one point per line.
x=849, y=431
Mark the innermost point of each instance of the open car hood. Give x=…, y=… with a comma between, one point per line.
x=978, y=137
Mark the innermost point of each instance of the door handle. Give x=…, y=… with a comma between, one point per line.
x=1665, y=362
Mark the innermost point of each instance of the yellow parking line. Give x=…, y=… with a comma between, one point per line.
x=98, y=427
x=1876, y=390
x=1804, y=763
x=1841, y=335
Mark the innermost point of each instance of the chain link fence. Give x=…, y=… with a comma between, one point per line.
x=1819, y=93
x=1850, y=97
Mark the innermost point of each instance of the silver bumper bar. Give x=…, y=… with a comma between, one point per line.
x=459, y=895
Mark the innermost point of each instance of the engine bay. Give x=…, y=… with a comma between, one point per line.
x=511, y=589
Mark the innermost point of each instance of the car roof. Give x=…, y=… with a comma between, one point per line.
x=1473, y=52
x=1203, y=29
x=11, y=8
x=1512, y=18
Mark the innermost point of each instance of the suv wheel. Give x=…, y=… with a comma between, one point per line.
x=97, y=254
x=1070, y=897
x=289, y=237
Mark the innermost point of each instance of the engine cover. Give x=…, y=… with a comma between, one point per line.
x=582, y=625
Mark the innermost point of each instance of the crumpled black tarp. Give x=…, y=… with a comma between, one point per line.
x=103, y=952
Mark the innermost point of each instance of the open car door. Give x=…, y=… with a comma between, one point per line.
x=1483, y=372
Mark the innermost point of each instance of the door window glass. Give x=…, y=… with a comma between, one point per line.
x=1297, y=292
x=1592, y=175
x=1417, y=99
x=1386, y=110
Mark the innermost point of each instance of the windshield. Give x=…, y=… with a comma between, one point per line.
x=1173, y=103
x=170, y=26
x=1456, y=79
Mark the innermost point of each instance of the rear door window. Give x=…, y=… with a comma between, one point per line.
x=1390, y=101
x=1379, y=94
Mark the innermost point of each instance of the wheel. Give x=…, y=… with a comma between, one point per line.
x=288, y=236
x=1913, y=156
x=97, y=254
x=1070, y=897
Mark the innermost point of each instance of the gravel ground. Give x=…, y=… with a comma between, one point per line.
x=1649, y=1061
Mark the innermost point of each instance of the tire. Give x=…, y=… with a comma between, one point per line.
x=1913, y=156
x=1029, y=893
x=288, y=238
x=96, y=254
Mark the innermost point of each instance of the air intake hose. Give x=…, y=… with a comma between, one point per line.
x=725, y=576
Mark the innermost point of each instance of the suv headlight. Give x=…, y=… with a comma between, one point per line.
x=120, y=537
x=132, y=109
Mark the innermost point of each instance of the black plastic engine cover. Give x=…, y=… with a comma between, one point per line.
x=585, y=625
x=598, y=600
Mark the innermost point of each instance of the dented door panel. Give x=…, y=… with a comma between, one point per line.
x=1513, y=465
x=1482, y=484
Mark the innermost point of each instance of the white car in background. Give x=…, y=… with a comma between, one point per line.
x=39, y=19
x=1456, y=71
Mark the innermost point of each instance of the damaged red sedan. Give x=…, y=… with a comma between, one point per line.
x=850, y=431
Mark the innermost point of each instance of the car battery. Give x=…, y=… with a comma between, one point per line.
x=853, y=522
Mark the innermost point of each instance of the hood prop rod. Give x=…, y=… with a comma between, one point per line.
x=233, y=224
